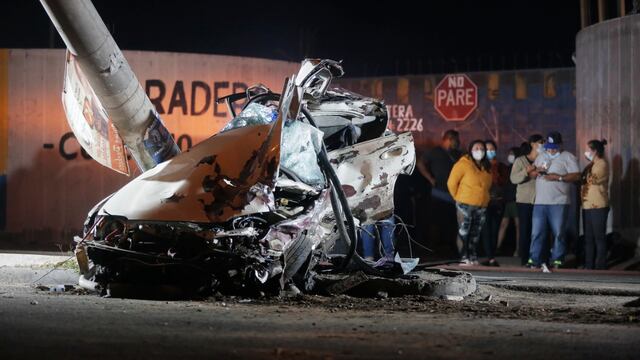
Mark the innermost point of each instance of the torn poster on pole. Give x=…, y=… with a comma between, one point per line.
x=89, y=120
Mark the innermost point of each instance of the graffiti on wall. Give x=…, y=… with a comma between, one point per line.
x=511, y=105
x=48, y=181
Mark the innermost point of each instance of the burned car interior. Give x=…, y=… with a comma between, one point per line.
x=265, y=205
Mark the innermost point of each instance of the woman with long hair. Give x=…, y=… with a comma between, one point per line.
x=491, y=229
x=469, y=184
x=523, y=174
x=595, y=205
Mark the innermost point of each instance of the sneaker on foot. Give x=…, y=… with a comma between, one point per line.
x=491, y=262
x=557, y=264
x=545, y=268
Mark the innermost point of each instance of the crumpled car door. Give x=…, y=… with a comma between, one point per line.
x=368, y=172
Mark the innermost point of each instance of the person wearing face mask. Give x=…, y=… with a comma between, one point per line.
x=557, y=170
x=495, y=209
x=436, y=166
x=469, y=184
x=595, y=205
x=524, y=174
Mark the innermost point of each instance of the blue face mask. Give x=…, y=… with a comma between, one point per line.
x=491, y=154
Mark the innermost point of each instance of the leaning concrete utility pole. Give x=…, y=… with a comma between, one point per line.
x=112, y=79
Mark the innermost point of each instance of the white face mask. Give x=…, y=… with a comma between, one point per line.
x=540, y=149
x=511, y=158
x=477, y=154
x=588, y=155
x=553, y=156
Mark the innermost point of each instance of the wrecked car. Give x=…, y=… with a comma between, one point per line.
x=273, y=198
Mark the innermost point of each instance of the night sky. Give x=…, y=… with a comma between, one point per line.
x=372, y=39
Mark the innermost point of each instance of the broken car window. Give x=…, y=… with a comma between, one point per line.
x=253, y=114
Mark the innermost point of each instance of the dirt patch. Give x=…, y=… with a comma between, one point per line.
x=487, y=302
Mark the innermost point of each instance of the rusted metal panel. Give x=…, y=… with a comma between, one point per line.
x=50, y=183
x=608, y=106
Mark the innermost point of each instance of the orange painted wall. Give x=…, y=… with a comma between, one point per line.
x=50, y=186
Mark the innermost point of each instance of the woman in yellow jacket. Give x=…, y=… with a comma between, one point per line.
x=469, y=184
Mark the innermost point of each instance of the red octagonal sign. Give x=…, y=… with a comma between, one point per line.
x=456, y=97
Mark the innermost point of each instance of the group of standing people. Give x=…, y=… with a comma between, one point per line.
x=534, y=191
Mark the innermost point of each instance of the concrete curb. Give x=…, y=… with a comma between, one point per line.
x=526, y=270
x=575, y=289
x=12, y=276
x=30, y=268
x=31, y=259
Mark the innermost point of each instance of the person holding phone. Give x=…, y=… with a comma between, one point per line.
x=557, y=170
x=524, y=175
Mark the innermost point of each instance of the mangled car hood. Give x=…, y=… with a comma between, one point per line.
x=229, y=174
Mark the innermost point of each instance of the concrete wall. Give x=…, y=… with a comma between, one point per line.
x=46, y=184
x=608, y=106
x=511, y=106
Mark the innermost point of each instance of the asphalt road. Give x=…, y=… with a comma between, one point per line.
x=495, y=323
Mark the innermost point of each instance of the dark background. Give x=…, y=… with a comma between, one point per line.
x=373, y=38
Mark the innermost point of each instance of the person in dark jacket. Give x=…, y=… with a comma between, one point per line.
x=499, y=175
x=436, y=166
x=510, y=208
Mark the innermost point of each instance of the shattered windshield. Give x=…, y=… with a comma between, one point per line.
x=301, y=142
x=253, y=114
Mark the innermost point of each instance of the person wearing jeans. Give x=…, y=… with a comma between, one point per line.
x=469, y=184
x=557, y=169
x=545, y=218
x=382, y=229
x=595, y=205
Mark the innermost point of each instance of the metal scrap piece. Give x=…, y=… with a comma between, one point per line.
x=348, y=283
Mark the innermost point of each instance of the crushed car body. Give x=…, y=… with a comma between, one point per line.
x=272, y=199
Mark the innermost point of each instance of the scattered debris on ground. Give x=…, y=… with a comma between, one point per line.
x=486, y=302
